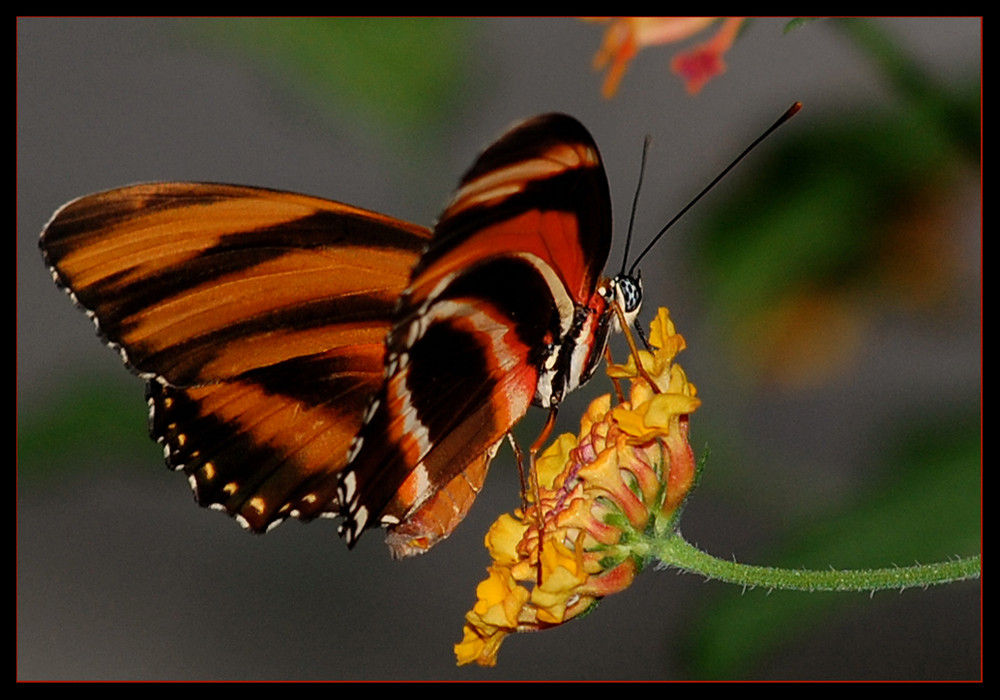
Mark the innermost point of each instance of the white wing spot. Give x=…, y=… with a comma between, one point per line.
x=372, y=408
x=355, y=448
x=360, y=519
x=349, y=484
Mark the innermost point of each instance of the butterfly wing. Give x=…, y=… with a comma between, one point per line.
x=509, y=275
x=258, y=318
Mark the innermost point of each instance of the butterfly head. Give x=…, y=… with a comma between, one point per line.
x=626, y=293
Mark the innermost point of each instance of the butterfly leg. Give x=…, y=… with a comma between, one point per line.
x=619, y=394
x=536, y=484
x=522, y=474
x=633, y=348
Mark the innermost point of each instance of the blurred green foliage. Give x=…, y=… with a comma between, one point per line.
x=402, y=74
x=87, y=421
x=842, y=220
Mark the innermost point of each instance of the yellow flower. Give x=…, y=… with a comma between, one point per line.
x=600, y=493
x=626, y=35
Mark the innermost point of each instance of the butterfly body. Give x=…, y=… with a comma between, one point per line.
x=305, y=358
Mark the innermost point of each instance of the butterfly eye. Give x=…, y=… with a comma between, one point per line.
x=629, y=293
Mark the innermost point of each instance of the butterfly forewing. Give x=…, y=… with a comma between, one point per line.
x=259, y=318
x=509, y=274
x=540, y=191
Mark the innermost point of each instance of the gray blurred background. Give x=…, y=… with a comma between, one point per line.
x=841, y=410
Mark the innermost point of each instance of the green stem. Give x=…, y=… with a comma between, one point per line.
x=676, y=552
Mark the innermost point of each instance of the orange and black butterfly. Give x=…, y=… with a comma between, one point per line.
x=306, y=358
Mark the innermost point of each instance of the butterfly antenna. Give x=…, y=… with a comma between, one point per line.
x=789, y=113
x=635, y=201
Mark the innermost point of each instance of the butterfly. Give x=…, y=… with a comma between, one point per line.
x=306, y=358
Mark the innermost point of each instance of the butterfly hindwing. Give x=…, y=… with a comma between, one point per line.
x=509, y=279
x=259, y=319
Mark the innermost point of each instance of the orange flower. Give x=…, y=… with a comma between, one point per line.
x=600, y=494
x=626, y=35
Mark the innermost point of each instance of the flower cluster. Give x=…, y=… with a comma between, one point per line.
x=626, y=35
x=596, y=501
